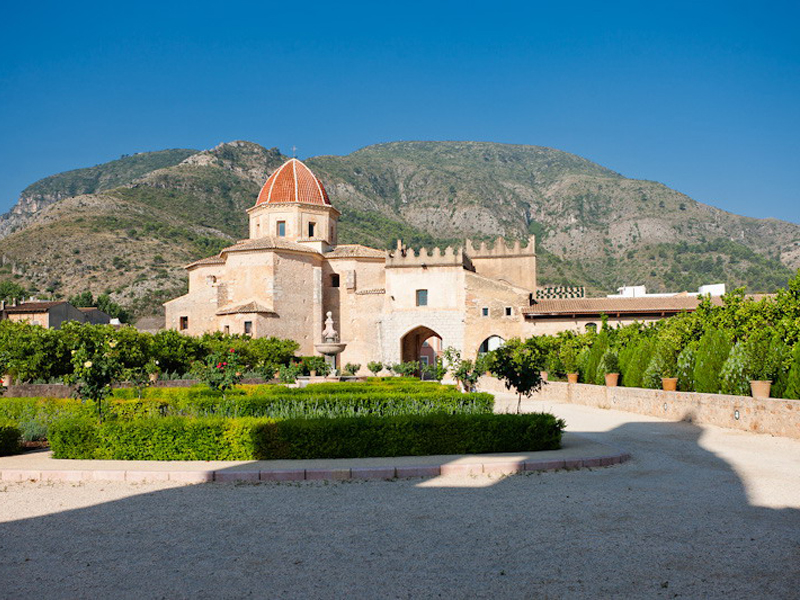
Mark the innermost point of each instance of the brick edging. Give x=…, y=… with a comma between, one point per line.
x=318, y=474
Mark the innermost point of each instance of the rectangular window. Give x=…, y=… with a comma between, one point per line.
x=227, y=330
x=281, y=228
x=248, y=327
x=184, y=323
x=485, y=311
x=508, y=311
x=422, y=297
x=335, y=280
x=311, y=228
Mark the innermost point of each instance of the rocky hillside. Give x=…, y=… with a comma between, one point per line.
x=128, y=226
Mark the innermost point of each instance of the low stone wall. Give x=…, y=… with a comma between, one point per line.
x=38, y=390
x=761, y=415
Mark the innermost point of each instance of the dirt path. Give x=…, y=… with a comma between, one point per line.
x=697, y=513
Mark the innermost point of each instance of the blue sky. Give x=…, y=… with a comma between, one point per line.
x=702, y=96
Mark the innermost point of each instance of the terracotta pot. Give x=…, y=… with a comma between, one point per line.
x=572, y=377
x=543, y=375
x=669, y=384
x=612, y=379
x=760, y=389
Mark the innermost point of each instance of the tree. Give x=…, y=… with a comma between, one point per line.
x=11, y=291
x=519, y=365
x=466, y=372
x=374, y=367
x=351, y=368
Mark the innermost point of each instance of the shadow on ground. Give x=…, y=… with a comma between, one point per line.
x=673, y=522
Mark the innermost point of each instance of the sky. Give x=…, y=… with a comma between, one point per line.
x=701, y=96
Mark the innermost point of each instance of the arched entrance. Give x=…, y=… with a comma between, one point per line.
x=493, y=342
x=421, y=344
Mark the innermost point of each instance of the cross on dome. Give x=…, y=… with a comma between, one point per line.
x=293, y=181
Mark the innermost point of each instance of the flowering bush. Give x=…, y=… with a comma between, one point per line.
x=95, y=368
x=221, y=371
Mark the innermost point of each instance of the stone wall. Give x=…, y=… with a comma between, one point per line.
x=760, y=415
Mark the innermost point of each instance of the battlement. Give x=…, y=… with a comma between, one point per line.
x=501, y=248
x=407, y=257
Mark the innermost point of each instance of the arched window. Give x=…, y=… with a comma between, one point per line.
x=591, y=327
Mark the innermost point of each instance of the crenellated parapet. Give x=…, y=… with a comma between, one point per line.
x=500, y=248
x=407, y=257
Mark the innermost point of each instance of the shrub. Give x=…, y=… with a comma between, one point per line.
x=792, y=386
x=352, y=368
x=637, y=363
x=220, y=371
x=406, y=369
x=591, y=361
x=712, y=351
x=763, y=354
x=733, y=376
x=609, y=363
x=267, y=439
x=10, y=437
x=374, y=367
x=685, y=367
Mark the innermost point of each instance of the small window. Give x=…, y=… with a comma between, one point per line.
x=508, y=311
x=311, y=228
x=226, y=330
x=248, y=327
x=184, y=323
x=591, y=327
x=281, y=228
x=485, y=311
x=335, y=280
x=422, y=297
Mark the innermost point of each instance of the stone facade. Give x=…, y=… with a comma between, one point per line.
x=291, y=272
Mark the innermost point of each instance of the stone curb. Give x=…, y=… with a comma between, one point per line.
x=319, y=474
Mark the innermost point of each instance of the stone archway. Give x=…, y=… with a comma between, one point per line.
x=493, y=342
x=412, y=345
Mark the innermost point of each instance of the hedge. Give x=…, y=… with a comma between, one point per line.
x=213, y=438
x=10, y=437
x=35, y=416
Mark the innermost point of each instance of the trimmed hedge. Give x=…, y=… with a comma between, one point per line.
x=10, y=437
x=35, y=416
x=181, y=438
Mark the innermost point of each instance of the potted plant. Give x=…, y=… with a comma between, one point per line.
x=762, y=354
x=669, y=384
x=569, y=358
x=610, y=365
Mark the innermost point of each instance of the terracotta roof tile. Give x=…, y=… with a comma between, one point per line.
x=211, y=260
x=246, y=308
x=596, y=306
x=268, y=243
x=293, y=182
x=355, y=251
x=33, y=307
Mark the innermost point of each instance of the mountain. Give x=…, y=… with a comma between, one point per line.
x=128, y=226
x=86, y=181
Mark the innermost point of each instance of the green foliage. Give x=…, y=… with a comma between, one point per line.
x=712, y=351
x=11, y=291
x=610, y=362
x=466, y=371
x=10, y=438
x=220, y=371
x=763, y=354
x=351, y=368
x=519, y=365
x=436, y=371
x=685, y=367
x=177, y=438
x=95, y=368
x=733, y=376
x=289, y=373
x=589, y=361
x=792, y=386
x=314, y=364
x=406, y=369
x=374, y=367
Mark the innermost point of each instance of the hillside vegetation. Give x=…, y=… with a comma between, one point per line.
x=128, y=227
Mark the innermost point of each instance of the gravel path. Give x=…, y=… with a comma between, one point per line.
x=697, y=513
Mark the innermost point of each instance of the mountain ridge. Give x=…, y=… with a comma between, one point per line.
x=594, y=226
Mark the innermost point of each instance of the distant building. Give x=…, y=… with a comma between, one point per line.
x=51, y=315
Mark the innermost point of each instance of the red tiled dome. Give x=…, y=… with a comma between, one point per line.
x=293, y=182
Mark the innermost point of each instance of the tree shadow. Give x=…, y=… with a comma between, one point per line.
x=673, y=522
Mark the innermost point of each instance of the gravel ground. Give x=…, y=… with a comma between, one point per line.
x=697, y=513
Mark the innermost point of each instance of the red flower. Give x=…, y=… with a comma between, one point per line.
x=232, y=350
x=226, y=364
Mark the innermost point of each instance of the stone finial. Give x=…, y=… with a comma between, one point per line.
x=329, y=333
